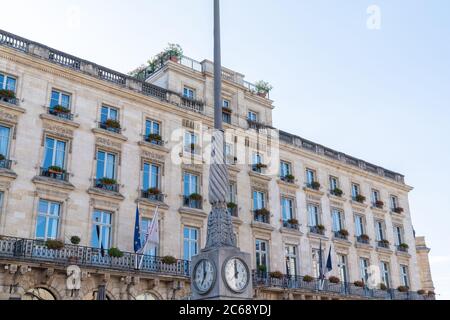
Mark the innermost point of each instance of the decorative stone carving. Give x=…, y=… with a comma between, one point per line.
x=104, y=142
x=8, y=117
x=152, y=156
x=104, y=204
x=58, y=131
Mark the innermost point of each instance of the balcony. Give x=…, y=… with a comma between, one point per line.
x=292, y=225
x=106, y=184
x=10, y=100
x=384, y=244
x=288, y=178
x=192, y=202
x=258, y=168
x=363, y=239
x=313, y=185
x=154, y=139
x=5, y=164
x=60, y=113
x=342, y=235
x=111, y=126
x=37, y=252
x=349, y=290
x=403, y=248
x=54, y=173
x=152, y=196
x=261, y=215
x=193, y=105
x=320, y=230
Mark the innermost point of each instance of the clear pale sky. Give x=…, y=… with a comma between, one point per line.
x=380, y=95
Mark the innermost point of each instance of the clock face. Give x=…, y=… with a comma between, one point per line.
x=204, y=276
x=236, y=274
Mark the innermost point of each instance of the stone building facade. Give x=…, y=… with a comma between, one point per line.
x=83, y=145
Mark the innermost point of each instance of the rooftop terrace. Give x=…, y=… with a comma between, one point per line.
x=66, y=60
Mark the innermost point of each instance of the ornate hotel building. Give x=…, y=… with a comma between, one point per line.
x=81, y=146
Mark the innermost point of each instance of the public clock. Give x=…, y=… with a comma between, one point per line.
x=204, y=276
x=236, y=275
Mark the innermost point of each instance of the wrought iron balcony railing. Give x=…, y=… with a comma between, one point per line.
x=325, y=286
x=54, y=174
x=100, y=184
x=150, y=139
x=401, y=248
x=259, y=217
x=37, y=251
x=317, y=230
x=339, y=235
x=59, y=114
x=152, y=196
x=289, y=225
x=104, y=126
x=383, y=244
x=192, y=203
x=5, y=164
x=363, y=240
x=13, y=101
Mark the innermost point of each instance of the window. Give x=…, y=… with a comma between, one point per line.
x=7, y=82
x=313, y=215
x=379, y=225
x=257, y=159
x=398, y=235
x=359, y=225
x=59, y=98
x=47, y=223
x=287, y=208
x=262, y=254
x=404, y=275
x=191, y=185
x=5, y=133
x=252, y=116
x=106, y=165
x=55, y=153
x=229, y=154
x=364, y=269
x=190, y=142
x=291, y=260
x=385, y=277
x=191, y=238
x=355, y=190
x=343, y=269
x=231, y=198
x=226, y=117
x=285, y=169
x=151, y=250
x=310, y=176
x=338, y=220
x=259, y=200
x=394, y=202
x=152, y=127
x=375, y=196
x=101, y=229
x=109, y=113
x=334, y=183
x=189, y=93
x=152, y=176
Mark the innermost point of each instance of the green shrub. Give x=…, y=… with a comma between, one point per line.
x=115, y=253
x=169, y=260
x=54, y=244
x=75, y=240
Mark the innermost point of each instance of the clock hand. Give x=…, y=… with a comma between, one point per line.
x=204, y=273
x=236, y=272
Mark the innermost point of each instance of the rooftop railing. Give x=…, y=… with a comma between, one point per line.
x=325, y=286
x=37, y=251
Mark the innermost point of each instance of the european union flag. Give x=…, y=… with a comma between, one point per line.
x=137, y=233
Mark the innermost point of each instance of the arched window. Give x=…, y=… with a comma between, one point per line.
x=39, y=294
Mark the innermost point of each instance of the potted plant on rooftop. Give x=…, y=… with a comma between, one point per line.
x=263, y=88
x=174, y=52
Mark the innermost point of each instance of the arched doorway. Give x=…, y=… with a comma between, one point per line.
x=146, y=296
x=39, y=294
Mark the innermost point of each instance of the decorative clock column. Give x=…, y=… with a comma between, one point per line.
x=221, y=271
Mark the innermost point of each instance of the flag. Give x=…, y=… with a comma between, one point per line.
x=321, y=274
x=329, y=265
x=102, y=250
x=137, y=232
x=152, y=237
